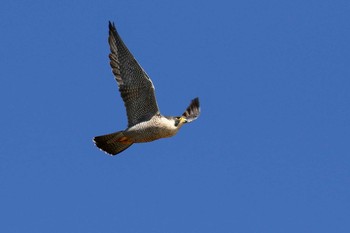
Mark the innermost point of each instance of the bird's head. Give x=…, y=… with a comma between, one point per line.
x=179, y=121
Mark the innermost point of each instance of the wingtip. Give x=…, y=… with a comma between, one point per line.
x=193, y=110
x=195, y=102
x=111, y=25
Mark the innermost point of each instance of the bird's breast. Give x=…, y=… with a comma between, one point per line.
x=156, y=128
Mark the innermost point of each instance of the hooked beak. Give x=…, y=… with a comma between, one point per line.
x=180, y=121
x=183, y=120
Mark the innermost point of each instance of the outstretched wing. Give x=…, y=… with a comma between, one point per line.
x=192, y=112
x=135, y=87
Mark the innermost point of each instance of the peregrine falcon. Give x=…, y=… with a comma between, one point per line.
x=145, y=123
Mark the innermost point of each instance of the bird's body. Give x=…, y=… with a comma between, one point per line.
x=145, y=123
x=157, y=127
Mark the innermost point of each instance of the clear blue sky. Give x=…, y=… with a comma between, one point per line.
x=270, y=152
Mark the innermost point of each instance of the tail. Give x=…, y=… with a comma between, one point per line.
x=113, y=143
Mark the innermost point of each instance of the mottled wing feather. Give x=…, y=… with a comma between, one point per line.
x=135, y=87
x=193, y=110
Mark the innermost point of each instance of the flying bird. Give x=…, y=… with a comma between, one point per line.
x=145, y=123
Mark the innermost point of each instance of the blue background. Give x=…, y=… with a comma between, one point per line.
x=270, y=152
